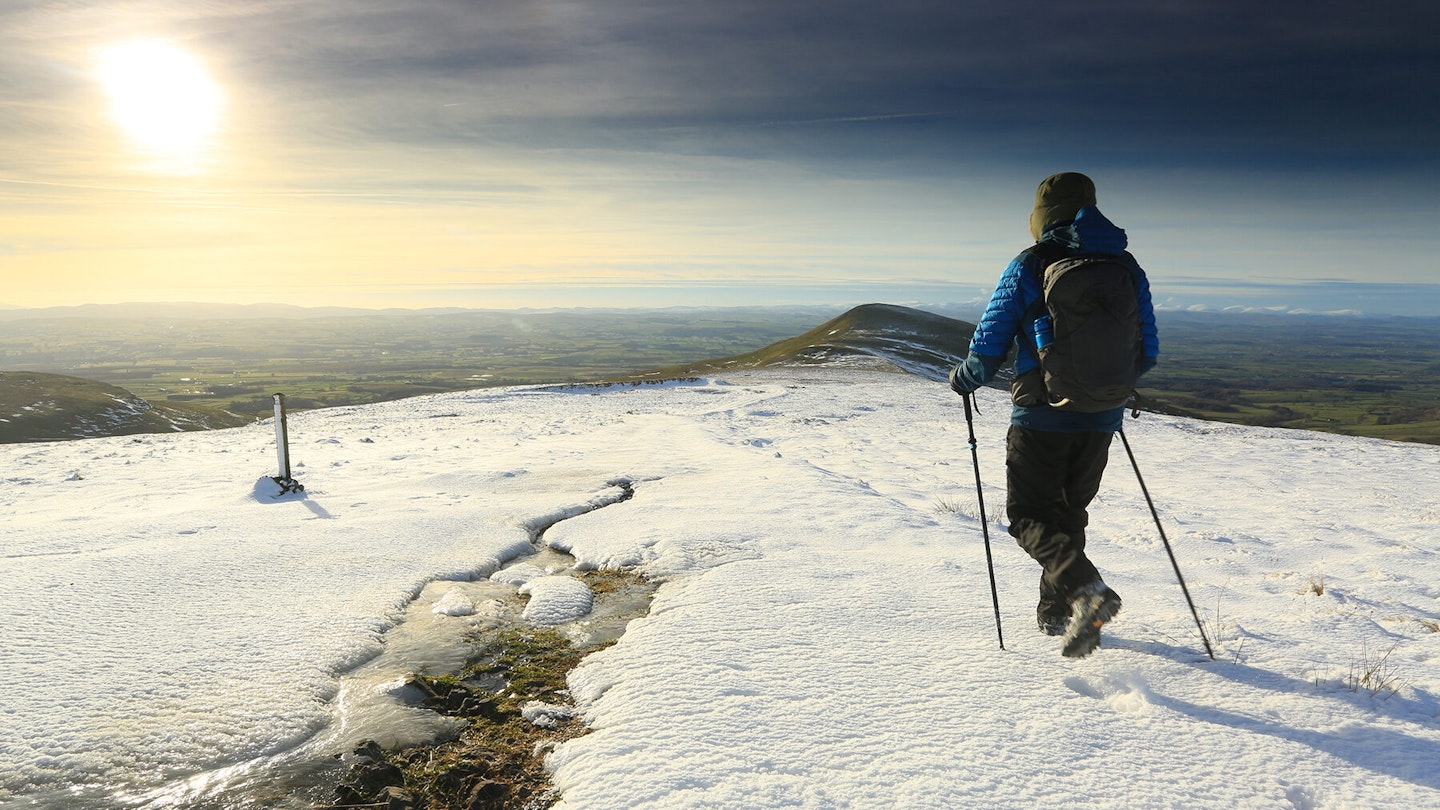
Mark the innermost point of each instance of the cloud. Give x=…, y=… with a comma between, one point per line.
x=1124, y=82
x=1117, y=77
x=1324, y=296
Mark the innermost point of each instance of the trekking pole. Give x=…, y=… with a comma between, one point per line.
x=984, y=522
x=1166, y=541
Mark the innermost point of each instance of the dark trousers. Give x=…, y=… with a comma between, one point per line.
x=1051, y=478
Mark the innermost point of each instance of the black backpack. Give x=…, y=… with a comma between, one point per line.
x=1089, y=358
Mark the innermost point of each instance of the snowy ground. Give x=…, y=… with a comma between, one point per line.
x=823, y=637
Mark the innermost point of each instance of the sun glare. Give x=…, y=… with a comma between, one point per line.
x=162, y=98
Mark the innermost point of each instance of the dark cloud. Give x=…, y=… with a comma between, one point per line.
x=1192, y=83
x=1188, y=81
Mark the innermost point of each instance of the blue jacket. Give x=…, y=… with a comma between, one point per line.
x=1018, y=290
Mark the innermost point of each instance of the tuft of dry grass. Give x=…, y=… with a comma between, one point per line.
x=946, y=506
x=1374, y=673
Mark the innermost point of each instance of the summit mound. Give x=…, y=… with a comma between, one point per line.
x=907, y=339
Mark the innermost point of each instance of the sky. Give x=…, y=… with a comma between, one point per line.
x=496, y=154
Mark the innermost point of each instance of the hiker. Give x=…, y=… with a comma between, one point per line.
x=1055, y=453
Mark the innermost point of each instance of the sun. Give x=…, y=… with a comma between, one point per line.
x=162, y=98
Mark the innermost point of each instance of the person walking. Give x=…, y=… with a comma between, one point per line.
x=1057, y=446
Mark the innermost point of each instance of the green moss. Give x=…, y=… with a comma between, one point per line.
x=497, y=760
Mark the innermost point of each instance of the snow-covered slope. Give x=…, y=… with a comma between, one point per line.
x=823, y=635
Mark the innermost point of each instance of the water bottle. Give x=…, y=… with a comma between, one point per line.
x=1044, y=333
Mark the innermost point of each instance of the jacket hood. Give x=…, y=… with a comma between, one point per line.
x=1058, y=199
x=1089, y=232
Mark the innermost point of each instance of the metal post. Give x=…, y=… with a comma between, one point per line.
x=282, y=449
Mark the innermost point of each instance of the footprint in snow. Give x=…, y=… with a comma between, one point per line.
x=1124, y=692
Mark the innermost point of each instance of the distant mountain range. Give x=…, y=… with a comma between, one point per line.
x=51, y=407
x=37, y=407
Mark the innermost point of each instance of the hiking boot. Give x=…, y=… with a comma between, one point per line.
x=1052, y=624
x=1093, y=605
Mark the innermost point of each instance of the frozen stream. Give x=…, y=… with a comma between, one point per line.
x=436, y=635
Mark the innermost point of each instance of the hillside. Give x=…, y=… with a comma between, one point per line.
x=822, y=634
x=908, y=339
x=36, y=407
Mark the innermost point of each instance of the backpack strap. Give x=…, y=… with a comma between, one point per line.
x=1047, y=253
x=1043, y=254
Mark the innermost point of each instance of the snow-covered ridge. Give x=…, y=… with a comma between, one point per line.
x=822, y=636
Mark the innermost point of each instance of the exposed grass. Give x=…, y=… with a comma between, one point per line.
x=1374, y=674
x=499, y=756
x=947, y=506
x=1220, y=630
x=497, y=761
x=606, y=581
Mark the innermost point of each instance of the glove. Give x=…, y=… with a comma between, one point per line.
x=960, y=382
x=973, y=372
